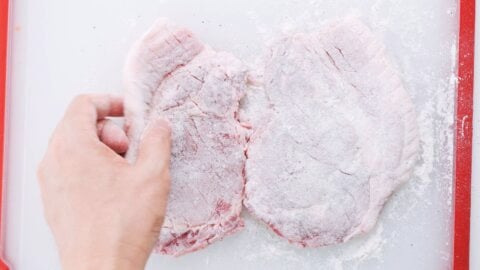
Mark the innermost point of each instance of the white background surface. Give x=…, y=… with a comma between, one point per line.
x=60, y=49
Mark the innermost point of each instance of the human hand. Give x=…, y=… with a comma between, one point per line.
x=104, y=212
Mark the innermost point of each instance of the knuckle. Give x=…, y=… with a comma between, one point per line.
x=81, y=99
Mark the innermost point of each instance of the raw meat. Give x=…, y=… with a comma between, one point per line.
x=341, y=136
x=171, y=73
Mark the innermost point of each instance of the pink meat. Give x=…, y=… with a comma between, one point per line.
x=171, y=73
x=341, y=136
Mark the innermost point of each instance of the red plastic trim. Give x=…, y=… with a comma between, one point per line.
x=463, y=137
x=3, y=85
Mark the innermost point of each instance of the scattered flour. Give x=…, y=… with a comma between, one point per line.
x=420, y=37
x=432, y=85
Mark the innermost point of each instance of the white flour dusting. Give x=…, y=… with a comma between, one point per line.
x=435, y=116
x=337, y=142
x=414, y=228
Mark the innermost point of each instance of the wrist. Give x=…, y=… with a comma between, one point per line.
x=98, y=257
x=101, y=264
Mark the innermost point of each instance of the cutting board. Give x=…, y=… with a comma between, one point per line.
x=64, y=48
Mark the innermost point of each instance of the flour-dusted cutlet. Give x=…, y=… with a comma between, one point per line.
x=341, y=136
x=171, y=73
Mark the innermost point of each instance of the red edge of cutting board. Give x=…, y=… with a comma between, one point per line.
x=463, y=134
x=463, y=137
x=3, y=86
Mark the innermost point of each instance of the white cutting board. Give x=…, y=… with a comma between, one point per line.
x=63, y=48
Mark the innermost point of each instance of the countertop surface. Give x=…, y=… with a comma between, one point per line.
x=62, y=48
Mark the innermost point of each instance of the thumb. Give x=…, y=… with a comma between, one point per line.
x=154, y=149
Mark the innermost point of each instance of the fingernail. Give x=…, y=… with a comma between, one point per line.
x=160, y=122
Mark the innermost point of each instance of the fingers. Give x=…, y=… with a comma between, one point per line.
x=89, y=108
x=154, y=150
x=112, y=135
x=96, y=106
x=85, y=110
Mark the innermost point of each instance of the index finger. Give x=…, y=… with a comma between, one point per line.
x=85, y=110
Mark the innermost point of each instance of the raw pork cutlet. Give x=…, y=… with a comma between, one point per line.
x=342, y=136
x=171, y=73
